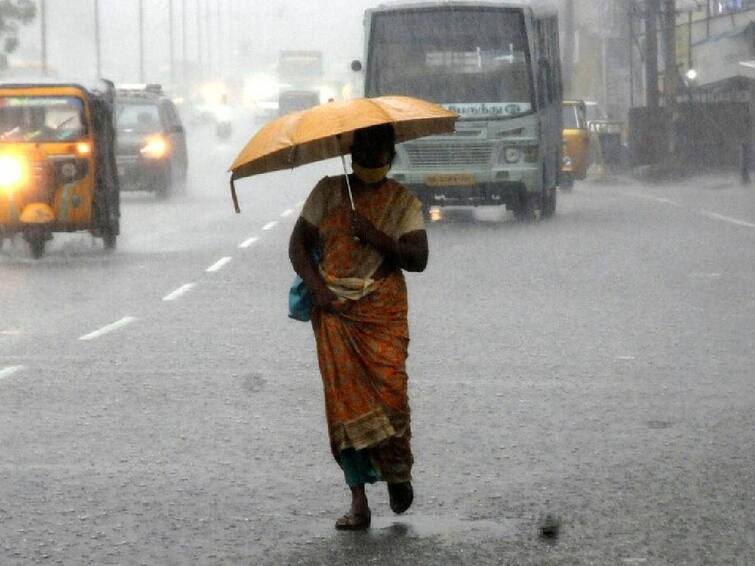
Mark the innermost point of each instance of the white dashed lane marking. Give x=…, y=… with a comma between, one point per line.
x=218, y=265
x=270, y=225
x=661, y=200
x=125, y=321
x=10, y=370
x=706, y=213
x=728, y=219
x=182, y=290
x=248, y=242
x=287, y=213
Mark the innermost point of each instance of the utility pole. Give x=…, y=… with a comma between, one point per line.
x=141, y=41
x=221, y=41
x=652, y=9
x=43, y=31
x=97, y=41
x=630, y=21
x=172, y=44
x=670, y=72
x=569, y=48
x=183, y=42
x=208, y=36
x=200, y=57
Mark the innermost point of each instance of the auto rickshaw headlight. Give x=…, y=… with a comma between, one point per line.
x=13, y=172
x=156, y=147
x=84, y=149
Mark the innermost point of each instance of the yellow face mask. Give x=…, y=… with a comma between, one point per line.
x=370, y=175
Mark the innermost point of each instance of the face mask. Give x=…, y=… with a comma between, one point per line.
x=370, y=175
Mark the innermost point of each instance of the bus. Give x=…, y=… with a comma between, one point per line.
x=496, y=64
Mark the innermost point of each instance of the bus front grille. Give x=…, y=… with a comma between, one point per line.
x=445, y=155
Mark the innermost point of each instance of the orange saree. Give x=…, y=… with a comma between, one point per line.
x=362, y=351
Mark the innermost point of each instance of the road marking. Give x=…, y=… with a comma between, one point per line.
x=286, y=213
x=625, y=358
x=300, y=204
x=270, y=225
x=729, y=219
x=7, y=372
x=126, y=320
x=218, y=265
x=662, y=200
x=182, y=290
x=698, y=275
x=11, y=332
x=249, y=242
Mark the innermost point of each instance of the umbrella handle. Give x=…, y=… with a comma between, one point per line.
x=345, y=172
x=234, y=197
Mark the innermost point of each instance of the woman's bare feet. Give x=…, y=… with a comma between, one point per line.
x=359, y=516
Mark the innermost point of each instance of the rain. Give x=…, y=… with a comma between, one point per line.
x=581, y=341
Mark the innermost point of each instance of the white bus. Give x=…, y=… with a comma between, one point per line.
x=496, y=64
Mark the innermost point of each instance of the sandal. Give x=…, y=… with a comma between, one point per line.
x=401, y=496
x=354, y=522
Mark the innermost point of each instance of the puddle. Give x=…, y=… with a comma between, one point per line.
x=425, y=526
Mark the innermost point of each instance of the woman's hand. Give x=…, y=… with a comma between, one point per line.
x=327, y=300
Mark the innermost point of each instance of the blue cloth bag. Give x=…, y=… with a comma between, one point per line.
x=300, y=300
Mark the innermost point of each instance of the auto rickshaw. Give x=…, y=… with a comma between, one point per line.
x=576, y=137
x=57, y=163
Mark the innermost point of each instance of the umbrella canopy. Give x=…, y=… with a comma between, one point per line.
x=326, y=131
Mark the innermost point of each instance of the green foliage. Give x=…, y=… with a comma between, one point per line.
x=13, y=13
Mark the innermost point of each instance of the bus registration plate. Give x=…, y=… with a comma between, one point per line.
x=456, y=180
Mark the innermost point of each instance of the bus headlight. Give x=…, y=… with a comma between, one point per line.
x=13, y=172
x=512, y=155
x=157, y=147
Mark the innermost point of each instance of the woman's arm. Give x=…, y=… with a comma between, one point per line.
x=410, y=252
x=304, y=239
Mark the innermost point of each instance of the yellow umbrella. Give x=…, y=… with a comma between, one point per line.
x=325, y=131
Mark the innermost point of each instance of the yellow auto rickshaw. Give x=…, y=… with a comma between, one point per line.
x=576, y=137
x=57, y=163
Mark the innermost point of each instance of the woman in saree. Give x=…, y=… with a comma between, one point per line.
x=360, y=316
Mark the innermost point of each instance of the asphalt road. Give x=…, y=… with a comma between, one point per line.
x=157, y=406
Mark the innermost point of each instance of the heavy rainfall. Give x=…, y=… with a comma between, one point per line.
x=581, y=334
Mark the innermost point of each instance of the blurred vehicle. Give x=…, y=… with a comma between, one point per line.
x=609, y=145
x=295, y=100
x=594, y=112
x=57, y=163
x=151, y=150
x=497, y=65
x=261, y=96
x=576, y=143
x=223, y=115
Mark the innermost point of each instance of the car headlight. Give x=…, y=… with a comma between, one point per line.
x=156, y=147
x=13, y=172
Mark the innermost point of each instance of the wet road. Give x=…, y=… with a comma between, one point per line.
x=159, y=408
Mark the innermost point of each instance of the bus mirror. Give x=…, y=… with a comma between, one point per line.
x=356, y=65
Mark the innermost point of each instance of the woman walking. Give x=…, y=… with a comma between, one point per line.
x=360, y=316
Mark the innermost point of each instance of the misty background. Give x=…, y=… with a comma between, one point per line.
x=247, y=37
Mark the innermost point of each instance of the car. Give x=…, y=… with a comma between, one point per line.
x=151, y=151
x=295, y=100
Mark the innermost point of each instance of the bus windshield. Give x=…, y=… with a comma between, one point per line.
x=475, y=61
x=41, y=118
